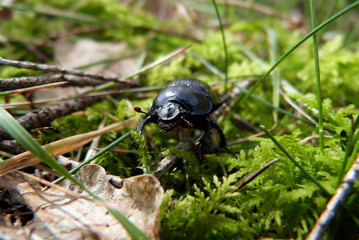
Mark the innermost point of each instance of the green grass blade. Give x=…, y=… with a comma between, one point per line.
x=141, y=70
x=273, y=50
x=9, y=124
x=354, y=152
x=224, y=44
x=279, y=109
x=98, y=154
x=317, y=79
x=319, y=27
x=82, y=18
x=310, y=177
x=349, y=149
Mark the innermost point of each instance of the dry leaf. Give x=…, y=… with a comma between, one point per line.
x=59, y=215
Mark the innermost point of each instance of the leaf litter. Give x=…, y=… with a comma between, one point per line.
x=67, y=212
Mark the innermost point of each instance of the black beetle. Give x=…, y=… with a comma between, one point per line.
x=186, y=103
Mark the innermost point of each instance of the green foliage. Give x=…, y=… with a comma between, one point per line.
x=204, y=215
x=115, y=163
x=336, y=121
x=144, y=157
x=338, y=70
x=201, y=200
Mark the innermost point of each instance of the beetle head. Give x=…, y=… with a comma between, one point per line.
x=169, y=115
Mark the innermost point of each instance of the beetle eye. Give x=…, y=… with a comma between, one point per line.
x=168, y=111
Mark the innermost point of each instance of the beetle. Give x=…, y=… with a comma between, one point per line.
x=185, y=103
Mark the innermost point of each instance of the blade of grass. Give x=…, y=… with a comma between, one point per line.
x=22, y=90
x=273, y=49
x=12, y=126
x=279, y=109
x=319, y=27
x=310, y=177
x=59, y=147
x=82, y=18
x=8, y=123
x=141, y=70
x=98, y=154
x=317, y=79
x=216, y=71
x=354, y=152
x=224, y=45
x=348, y=151
x=209, y=65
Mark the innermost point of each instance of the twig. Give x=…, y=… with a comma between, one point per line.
x=11, y=146
x=329, y=213
x=94, y=94
x=23, y=82
x=256, y=174
x=44, y=116
x=49, y=68
x=297, y=108
x=231, y=97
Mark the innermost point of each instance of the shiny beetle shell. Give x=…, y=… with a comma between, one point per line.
x=194, y=95
x=185, y=103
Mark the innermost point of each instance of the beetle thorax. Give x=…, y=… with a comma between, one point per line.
x=169, y=111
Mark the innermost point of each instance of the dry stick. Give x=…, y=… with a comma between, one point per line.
x=11, y=146
x=49, y=68
x=230, y=98
x=44, y=116
x=94, y=94
x=249, y=179
x=24, y=82
x=328, y=214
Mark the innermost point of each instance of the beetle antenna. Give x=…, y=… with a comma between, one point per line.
x=139, y=110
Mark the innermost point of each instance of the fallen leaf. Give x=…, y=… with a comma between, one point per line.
x=60, y=215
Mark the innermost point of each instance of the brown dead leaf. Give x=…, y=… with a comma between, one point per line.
x=60, y=215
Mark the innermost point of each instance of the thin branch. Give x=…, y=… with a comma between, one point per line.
x=50, y=68
x=249, y=179
x=29, y=81
x=329, y=213
x=95, y=94
x=44, y=116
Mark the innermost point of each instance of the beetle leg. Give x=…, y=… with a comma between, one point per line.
x=223, y=142
x=206, y=137
x=140, y=126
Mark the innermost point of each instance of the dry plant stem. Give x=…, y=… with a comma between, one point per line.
x=231, y=97
x=60, y=147
x=44, y=116
x=23, y=82
x=329, y=213
x=249, y=179
x=95, y=94
x=297, y=108
x=49, y=68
